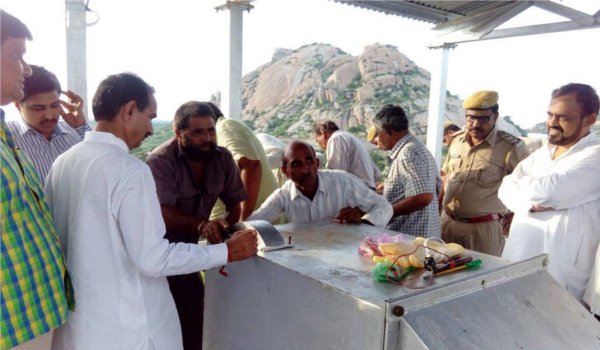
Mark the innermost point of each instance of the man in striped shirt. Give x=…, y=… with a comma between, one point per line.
x=40, y=133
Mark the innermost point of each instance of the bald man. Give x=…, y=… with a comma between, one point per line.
x=315, y=195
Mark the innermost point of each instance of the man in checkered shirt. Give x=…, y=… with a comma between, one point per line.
x=412, y=179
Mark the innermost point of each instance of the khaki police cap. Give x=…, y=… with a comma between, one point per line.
x=481, y=100
x=371, y=133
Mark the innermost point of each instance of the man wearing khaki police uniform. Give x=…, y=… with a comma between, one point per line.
x=478, y=158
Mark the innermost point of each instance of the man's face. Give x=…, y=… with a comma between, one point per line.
x=41, y=112
x=141, y=124
x=199, y=139
x=447, y=138
x=302, y=167
x=14, y=70
x=321, y=139
x=566, y=124
x=384, y=140
x=480, y=122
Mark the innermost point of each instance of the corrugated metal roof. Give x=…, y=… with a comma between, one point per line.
x=434, y=12
x=461, y=21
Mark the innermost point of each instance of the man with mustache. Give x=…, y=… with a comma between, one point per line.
x=35, y=291
x=313, y=195
x=108, y=217
x=412, y=184
x=191, y=172
x=40, y=133
x=478, y=158
x=555, y=194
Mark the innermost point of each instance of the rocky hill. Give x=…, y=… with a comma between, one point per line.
x=285, y=96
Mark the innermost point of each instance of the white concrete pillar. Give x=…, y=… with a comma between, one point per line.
x=437, y=105
x=236, y=29
x=75, y=26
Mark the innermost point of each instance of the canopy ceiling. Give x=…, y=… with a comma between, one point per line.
x=463, y=21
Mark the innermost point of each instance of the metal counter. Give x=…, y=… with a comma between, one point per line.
x=320, y=295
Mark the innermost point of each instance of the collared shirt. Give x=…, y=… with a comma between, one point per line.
x=177, y=186
x=474, y=174
x=110, y=226
x=238, y=139
x=568, y=234
x=33, y=275
x=40, y=151
x=413, y=172
x=346, y=152
x=336, y=190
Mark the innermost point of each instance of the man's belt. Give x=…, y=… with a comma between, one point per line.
x=475, y=219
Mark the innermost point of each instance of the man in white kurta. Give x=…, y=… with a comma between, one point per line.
x=313, y=195
x=555, y=193
x=345, y=151
x=110, y=226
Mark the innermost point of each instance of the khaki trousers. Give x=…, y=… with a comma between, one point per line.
x=484, y=237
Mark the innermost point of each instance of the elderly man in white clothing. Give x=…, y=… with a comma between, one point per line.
x=110, y=226
x=555, y=192
x=313, y=195
x=345, y=151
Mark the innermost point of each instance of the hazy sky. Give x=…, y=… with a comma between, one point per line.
x=181, y=47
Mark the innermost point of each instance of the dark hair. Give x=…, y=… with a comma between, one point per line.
x=325, y=125
x=216, y=110
x=586, y=96
x=39, y=82
x=391, y=118
x=451, y=127
x=290, y=146
x=494, y=108
x=181, y=121
x=117, y=90
x=12, y=27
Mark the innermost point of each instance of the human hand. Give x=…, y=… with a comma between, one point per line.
x=349, y=215
x=72, y=111
x=213, y=230
x=379, y=188
x=242, y=245
x=536, y=208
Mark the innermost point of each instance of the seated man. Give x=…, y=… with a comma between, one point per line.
x=40, y=133
x=345, y=151
x=313, y=195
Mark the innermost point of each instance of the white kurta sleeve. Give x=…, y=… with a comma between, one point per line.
x=377, y=209
x=511, y=193
x=140, y=222
x=271, y=208
x=337, y=154
x=569, y=188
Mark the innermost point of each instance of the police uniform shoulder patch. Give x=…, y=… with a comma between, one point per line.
x=512, y=139
x=460, y=133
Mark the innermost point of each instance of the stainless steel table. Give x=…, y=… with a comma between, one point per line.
x=320, y=295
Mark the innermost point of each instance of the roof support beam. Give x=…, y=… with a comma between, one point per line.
x=567, y=12
x=522, y=31
x=437, y=105
x=236, y=30
x=75, y=23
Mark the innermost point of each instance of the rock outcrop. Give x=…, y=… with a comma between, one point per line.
x=317, y=81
